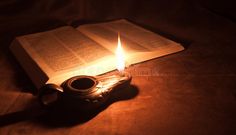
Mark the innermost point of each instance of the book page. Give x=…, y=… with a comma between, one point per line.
x=63, y=50
x=139, y=35
x=37, y=75
x=139, y=44
x=108, y=38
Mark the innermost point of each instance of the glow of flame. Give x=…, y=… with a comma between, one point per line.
x=120, y=56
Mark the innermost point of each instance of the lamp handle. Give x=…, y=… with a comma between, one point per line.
x=49, y=94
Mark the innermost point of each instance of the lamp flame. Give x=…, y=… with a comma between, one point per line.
x=120, y=56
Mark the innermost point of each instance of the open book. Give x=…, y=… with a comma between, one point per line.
x=56, y=55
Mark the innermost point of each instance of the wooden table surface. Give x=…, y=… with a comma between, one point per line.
x=188, y=93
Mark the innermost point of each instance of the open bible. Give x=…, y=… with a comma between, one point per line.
x=56, y=55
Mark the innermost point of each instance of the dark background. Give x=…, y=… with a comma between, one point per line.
x=194, y=91
x=29, y=16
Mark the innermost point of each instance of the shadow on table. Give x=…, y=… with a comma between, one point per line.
x=59, y=117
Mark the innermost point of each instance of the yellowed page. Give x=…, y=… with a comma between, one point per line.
x=108, y=38
x=37, y=75
x=139, y=43
x=65, y=52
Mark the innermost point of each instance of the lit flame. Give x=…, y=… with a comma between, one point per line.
x=120, y=56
